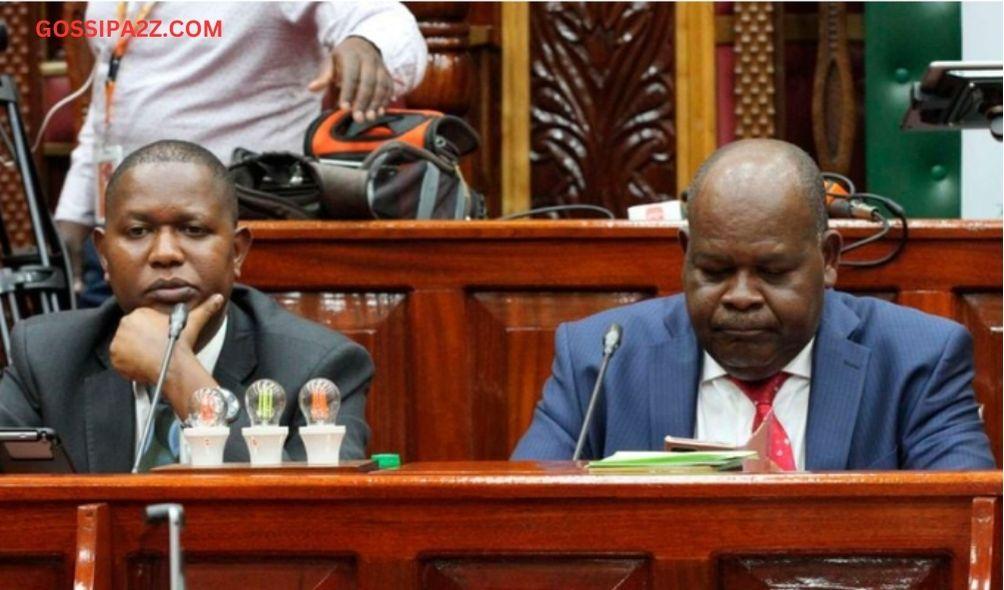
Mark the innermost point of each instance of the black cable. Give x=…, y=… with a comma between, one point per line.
x=896, y=210
x=841, y=179
x=558, y=208
x=886, y=226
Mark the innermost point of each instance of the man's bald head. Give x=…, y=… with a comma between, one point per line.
x=758, y=256
x=756, y=165
x=171, y=151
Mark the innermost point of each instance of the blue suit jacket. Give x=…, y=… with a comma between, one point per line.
x=891, y=387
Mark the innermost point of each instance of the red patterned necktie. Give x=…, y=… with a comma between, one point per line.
x=762, y=393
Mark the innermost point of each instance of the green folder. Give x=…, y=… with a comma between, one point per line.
x=672, y=461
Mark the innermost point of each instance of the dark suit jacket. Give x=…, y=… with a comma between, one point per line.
x=60, y=376
x=891, y=387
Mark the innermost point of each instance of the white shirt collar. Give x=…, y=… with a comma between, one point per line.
x=800, y=366
x=210, y=353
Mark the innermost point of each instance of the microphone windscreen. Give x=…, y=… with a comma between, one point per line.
x=179, y=317
x=612, y=339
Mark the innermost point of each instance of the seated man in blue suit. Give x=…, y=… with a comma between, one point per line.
x=853, y=382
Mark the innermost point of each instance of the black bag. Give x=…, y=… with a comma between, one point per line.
x=400, y=181
x=275, y=185
x=396, y=181
x=336, y=136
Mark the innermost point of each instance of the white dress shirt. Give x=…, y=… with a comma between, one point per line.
x=208, y=356
x=725, y=414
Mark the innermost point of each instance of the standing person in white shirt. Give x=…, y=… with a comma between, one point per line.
x=257, y=84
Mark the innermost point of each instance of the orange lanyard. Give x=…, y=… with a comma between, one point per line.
x=116, y=58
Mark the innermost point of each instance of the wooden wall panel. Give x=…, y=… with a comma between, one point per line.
x=923, y=572
x=379, y=322
x=260, y=571
x=602, y=128
x=535, y=573
x=32, y=572
x=463, y=331
x=981, y=314
x=514, y=336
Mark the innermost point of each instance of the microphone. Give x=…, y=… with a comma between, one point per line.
x=179, y=317
x=840, y=205
x=611, y=340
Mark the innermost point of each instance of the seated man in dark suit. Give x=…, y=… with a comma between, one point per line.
x=853, y=382
x=171, y=236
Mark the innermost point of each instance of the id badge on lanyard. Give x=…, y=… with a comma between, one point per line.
x=107, y=155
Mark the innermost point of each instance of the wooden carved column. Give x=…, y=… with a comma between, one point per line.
x=447, y=83
x=834, y=114
x=757, y=88
x=460, y=80
x=21, y=60
x=602, y=104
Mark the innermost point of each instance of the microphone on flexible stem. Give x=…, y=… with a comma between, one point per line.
x=179, y=317
x=611, y=340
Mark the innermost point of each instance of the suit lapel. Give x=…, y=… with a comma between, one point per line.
x=237, y=361
x=838, y=375
x=674, y=368
x=110, y=410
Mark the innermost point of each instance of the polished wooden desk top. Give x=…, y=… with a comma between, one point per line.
x=487, y=479
x=571, y=228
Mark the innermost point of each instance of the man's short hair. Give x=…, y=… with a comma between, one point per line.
x=807, y=176
x=174, y=150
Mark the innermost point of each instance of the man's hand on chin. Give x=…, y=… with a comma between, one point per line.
x=138, y=348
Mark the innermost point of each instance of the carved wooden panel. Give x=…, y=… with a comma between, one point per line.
x=514, y=333
x=20, y=61
x=981, y=314
x=922, y=572
x=247, y=572
x=378, y=322
x=755, y=56
x=32, y=573
x=602, y=128
x=834, y=116
x=530, y=573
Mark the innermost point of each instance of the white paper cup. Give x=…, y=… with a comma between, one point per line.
x=205, y=444
x=265, y=443
x=323, y=442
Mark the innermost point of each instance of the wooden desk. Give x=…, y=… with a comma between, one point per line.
x=460, y=317
x=500, y=525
